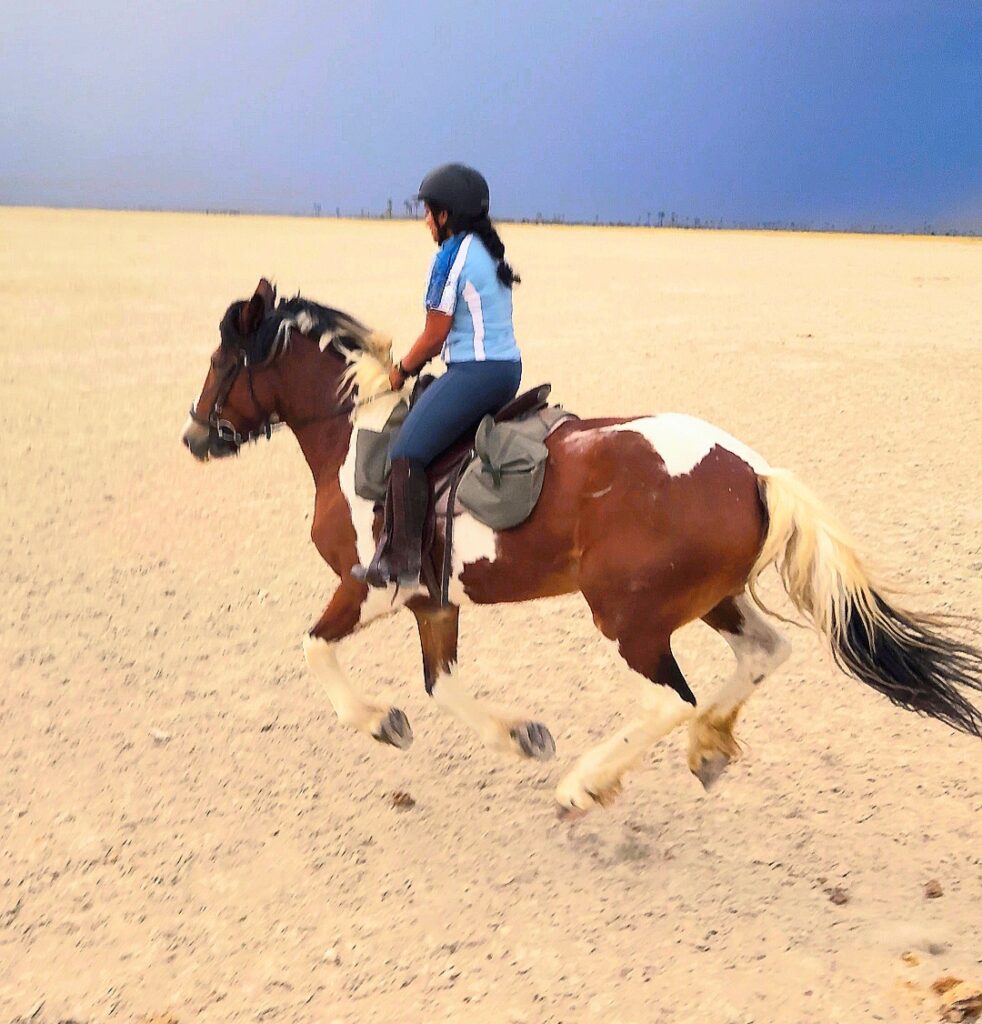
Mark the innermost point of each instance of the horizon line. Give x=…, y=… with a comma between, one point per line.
x=684, y=224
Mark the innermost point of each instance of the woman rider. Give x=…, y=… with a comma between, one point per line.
x=469, y=322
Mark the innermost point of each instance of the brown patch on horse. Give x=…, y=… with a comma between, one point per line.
x=438, y=628
x=725, y=617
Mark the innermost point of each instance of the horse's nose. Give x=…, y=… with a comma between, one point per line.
x=195, y=438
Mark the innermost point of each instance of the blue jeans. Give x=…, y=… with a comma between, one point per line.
x=452, y=403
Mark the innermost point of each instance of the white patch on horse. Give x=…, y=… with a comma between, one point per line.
x=582, y=438
x=472, y=542
x=380, y=603
x=684, y=441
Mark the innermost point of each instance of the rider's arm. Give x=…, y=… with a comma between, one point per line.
x=427, y=345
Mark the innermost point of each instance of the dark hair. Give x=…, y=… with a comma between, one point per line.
x=485, y=230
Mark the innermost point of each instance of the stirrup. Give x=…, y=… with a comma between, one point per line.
x=375, y=574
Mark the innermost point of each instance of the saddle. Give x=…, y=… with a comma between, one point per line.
x=446, y=472
x=522, y=405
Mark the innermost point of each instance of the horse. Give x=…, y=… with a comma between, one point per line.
x=656, y=520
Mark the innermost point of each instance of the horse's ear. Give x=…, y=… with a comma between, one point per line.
x=252, y=313
x=267, y=292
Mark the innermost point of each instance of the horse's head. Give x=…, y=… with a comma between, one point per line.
x=281, y=362
x=237, y=402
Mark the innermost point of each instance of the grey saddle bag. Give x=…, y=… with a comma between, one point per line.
x=503, y=482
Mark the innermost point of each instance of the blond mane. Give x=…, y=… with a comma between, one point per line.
x=368, y=367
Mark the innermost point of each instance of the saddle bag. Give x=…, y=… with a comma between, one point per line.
x=372, y=456
x=502, y=484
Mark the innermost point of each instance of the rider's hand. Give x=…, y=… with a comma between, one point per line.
x=396, y=377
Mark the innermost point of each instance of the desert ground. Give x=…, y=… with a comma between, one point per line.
x=189, y=835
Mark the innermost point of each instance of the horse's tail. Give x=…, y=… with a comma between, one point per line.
x=907, y=657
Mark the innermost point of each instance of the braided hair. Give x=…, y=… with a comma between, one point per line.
x=488, y=234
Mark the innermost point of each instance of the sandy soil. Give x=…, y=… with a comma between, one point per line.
x=188, y=834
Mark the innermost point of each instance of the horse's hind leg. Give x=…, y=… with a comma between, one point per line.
x=665, y=698
x=344, y=613
x=438, y=640
x=597, y=777
x=759, y=649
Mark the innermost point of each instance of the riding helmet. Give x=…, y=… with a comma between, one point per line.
x=457, y=188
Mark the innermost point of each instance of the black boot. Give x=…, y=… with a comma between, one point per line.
x=399, y=554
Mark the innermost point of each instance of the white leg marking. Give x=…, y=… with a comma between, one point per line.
x=759, y=650
x=351, y=706
x=497, y=729
x=596, y=779
x=383, y=723
x=451, y=697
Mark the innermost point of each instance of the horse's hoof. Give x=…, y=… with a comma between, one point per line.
x=395, y=730
x=534, y=740
x=710, y=769
x=569, y=814
x=574, y=798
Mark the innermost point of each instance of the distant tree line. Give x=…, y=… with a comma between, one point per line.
x=411, y=209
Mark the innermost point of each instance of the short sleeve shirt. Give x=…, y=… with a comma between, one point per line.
x=464, y=284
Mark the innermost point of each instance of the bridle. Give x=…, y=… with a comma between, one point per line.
x=222, y=427
x=227, y=377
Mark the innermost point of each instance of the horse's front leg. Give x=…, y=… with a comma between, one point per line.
x=342, y=615
x=438, y=640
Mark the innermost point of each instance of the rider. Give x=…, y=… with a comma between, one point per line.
x=469, y=322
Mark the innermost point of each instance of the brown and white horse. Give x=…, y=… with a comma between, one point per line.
x=657, y=521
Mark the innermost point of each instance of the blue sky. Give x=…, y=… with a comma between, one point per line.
x=844, y=111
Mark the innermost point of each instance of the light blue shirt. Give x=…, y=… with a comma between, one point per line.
x=464, y=283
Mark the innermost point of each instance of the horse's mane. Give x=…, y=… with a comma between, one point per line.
x=367, y=353
x=325, y=325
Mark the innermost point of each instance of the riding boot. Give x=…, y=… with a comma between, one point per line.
x=399, y=555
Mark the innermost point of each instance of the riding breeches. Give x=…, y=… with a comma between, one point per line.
x=452, y=403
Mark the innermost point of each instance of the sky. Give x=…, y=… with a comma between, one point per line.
x=857, y=113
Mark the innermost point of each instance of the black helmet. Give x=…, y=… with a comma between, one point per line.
x=458, y=189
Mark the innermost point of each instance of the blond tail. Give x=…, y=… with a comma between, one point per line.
x=905, y=656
